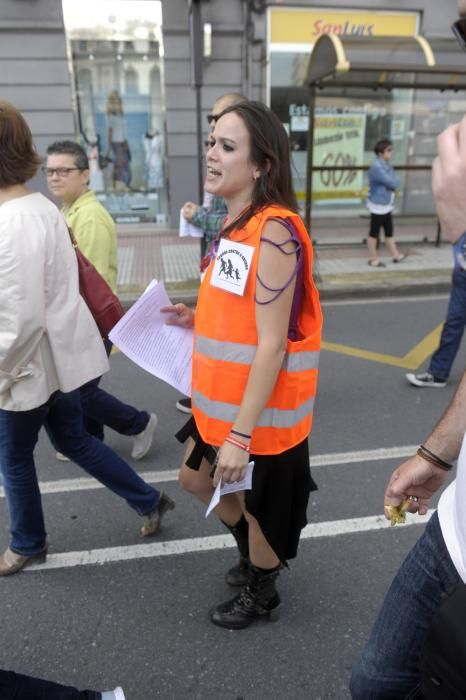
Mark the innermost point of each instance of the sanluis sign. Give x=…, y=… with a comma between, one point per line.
x=304, y=26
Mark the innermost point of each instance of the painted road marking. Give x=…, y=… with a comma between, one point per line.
x=333, y=528
x=385, y=300
x=412, y=360
x=158, y=477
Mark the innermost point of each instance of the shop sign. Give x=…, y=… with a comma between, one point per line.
x=304, y=26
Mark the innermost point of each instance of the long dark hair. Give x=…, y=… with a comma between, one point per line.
x=270, y=151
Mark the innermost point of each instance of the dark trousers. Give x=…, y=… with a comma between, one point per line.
x=453, y=328
x=388, y=668
x=62, y=418
x=14, y=686
x=101, y=408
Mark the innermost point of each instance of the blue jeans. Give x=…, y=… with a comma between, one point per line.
x=388, y=668
x=453, y=328
x=14, y=686
x=62, y=418
x=101, y=408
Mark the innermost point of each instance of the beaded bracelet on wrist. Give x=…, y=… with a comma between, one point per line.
x=237, y=443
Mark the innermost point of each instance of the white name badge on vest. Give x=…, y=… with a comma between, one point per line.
x=232, y=265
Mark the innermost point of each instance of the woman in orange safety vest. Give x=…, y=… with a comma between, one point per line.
x=257, y=331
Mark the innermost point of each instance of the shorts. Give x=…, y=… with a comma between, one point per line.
x=381, y=220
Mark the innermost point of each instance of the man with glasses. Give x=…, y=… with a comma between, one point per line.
x=67, y=172
x=210, y=215
x=389, y=666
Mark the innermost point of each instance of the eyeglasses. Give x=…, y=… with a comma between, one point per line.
x=459, y=30
x=60, y=172
x=212, y=118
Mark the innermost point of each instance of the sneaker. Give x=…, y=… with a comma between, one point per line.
x=143, y=442
x=426, y=379
x=151, y=521
x=61, y=457
x=116, y=694
x=184, y=405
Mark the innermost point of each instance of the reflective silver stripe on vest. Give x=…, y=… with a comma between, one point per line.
x=269, y=418
x=244, y=354
x=228, y=352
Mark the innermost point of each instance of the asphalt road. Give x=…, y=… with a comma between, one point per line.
x=140, y=618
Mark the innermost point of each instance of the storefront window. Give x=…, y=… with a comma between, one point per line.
x=346, y=129
x=116, y=55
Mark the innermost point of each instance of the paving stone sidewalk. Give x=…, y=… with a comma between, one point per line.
x=340, y=270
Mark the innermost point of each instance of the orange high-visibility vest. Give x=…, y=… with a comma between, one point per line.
x=225, y=343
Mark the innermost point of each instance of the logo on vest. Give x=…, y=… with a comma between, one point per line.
x=232, y=265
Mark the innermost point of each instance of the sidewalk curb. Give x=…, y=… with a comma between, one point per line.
x=329, y=291
x=402, y=283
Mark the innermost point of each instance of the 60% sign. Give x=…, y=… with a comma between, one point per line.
x=337, y=169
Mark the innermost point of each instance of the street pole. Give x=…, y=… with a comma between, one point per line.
x=310, y=160
x=196, y=36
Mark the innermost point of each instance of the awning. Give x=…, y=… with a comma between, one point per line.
x=386, y=62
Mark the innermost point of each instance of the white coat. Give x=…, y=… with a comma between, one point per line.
x=48, y=338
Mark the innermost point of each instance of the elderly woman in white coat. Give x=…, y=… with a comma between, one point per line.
x=49, y=347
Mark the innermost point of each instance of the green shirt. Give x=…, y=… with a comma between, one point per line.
x=95, y=232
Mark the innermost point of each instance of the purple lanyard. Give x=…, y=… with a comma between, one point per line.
x=297, y=272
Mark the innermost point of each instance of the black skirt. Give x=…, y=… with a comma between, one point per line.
x=281, y=485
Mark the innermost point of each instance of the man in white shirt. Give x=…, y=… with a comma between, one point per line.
x=389, y=664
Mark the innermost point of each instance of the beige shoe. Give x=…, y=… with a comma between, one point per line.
x=152, y=521
x=11, y=562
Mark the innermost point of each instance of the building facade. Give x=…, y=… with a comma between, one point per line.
x=118, y=76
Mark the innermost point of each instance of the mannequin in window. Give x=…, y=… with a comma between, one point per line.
x=92, y=148
x=117, y=142
x=153, y=169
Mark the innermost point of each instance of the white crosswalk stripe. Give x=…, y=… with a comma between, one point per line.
x=332, y=528
x=65, y=560
x=159, y=477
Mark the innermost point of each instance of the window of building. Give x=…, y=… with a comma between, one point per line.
x=116, y=55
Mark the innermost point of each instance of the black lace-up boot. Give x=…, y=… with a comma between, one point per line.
x=258, y=598
x=238, y=574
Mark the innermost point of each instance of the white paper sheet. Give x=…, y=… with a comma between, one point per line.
x=187, y=229
x=222, y=489
x=142, y=335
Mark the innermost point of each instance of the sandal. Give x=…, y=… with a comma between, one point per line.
x=399, y=258
x=376, y=263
